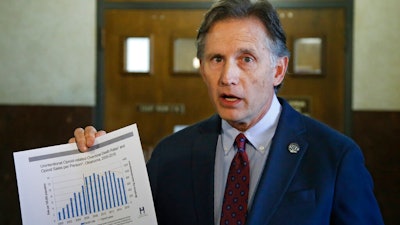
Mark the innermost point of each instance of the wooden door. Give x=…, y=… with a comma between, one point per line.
x=321, y=96
x=162, y=99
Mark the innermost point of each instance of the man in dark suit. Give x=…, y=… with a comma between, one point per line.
x=300, y=171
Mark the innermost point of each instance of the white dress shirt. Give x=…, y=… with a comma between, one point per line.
x=259, y=141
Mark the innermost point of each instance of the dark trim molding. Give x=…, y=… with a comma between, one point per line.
x=348, y=95
x=156, y=5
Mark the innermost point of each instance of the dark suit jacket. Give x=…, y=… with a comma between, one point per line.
x=325, y=182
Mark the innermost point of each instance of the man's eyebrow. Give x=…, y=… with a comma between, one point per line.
x=213, y=55
x=247, y=50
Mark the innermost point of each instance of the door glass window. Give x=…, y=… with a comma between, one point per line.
x=307, y=57
x=185, y=60
x=137, y=55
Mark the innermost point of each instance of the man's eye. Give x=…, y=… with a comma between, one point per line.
x=248, y=59
x=217, y=59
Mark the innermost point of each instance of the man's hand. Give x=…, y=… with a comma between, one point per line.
x=84, y=138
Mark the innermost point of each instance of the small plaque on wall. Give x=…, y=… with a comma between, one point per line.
x=301, y=104
x=161, y=108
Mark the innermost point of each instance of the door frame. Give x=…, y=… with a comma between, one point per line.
x=104, y=5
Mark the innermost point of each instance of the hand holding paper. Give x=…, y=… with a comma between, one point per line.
x=108, y=184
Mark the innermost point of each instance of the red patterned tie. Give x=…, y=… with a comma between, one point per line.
x=234, y=207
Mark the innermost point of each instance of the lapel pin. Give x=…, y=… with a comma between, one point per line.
x=293, y=148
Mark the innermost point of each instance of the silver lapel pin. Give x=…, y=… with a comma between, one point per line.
x=294, y=147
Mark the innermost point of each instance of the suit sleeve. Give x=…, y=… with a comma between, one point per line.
x=354, y=202
x=152, y=170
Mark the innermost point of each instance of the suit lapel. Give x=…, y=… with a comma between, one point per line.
x=280, y=167
x=203, y=162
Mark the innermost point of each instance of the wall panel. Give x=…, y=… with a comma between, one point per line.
x=27, y=127
x=378, y=134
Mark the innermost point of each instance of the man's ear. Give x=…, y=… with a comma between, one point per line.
x=280, y=70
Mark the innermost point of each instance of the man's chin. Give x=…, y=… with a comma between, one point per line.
x=230, y=116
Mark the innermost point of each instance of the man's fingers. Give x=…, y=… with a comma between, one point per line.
x=71, y=140
x=79, y=133
x=100, y=133
x=90, y=135
x=84, y=138
x=80, y=139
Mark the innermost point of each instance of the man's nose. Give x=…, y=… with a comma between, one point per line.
x=230, y=74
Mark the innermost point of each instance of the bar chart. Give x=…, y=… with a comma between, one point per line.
x=97, y=193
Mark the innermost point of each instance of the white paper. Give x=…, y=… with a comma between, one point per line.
x=107, y=185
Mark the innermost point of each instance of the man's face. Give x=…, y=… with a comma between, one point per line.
x=238, y=72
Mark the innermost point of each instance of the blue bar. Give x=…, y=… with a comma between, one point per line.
x=112, y=188
x=95, y=190
x=68, y=211
x=84, y=199
x=104, y=191
x=123, y=187
x=101, y=196
x=108, y=190
x=76, y=205
x=112, y=199
x=63, y=213
x=80, y=202
x=120, y=191
x=59, y=215
x=116, y=190
x=91, y=190
x=72, y=207
x=88, y=196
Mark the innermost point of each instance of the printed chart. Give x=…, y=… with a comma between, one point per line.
x=107, y=185
x=97, y=193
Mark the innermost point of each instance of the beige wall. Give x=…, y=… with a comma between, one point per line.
x=47, y=53
x=376, y=69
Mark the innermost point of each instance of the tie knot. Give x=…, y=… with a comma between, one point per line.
x=241, y=142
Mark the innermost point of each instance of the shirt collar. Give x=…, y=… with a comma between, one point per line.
x=260, y=135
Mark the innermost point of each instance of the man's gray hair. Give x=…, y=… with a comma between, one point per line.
x=261, y=9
